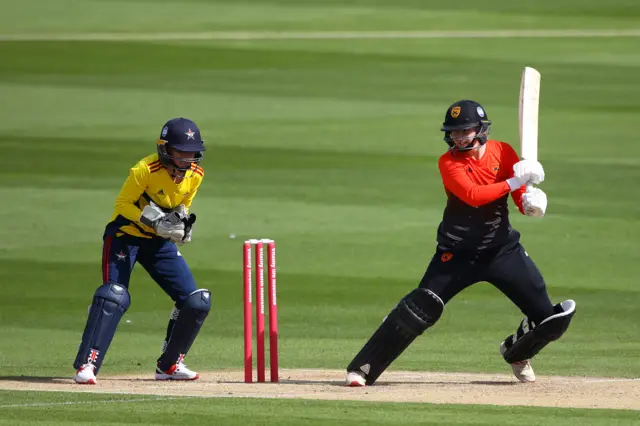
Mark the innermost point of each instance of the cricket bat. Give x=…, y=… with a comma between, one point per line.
x=528, y=114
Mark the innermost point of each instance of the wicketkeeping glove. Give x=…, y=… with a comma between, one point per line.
x=169, y=226
x=188, y=229
x=181, y=213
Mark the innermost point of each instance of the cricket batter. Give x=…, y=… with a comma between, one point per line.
x=151, y=217
x=475, y=243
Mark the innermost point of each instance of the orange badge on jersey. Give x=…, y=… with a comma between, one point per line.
x=455, y=112
x=446, y=257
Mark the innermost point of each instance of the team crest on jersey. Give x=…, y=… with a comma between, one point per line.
x=446, y=256
x=455, y=112
x=161, y=192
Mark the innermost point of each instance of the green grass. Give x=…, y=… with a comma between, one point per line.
x=330, y=147
x=72, y=16
x=25, y=408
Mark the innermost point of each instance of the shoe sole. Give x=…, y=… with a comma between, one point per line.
x=523, y=380
x=177, y=379
x=355, y=380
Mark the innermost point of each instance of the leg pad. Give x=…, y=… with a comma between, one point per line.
x=186, y=327
x=110, y=302
x=530, y=339
x=416, y=312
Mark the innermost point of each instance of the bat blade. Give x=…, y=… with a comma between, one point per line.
x=528, y=113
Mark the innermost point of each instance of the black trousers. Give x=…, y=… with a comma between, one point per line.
x=508, y=267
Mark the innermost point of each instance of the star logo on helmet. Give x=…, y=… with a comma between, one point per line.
x=190, y=134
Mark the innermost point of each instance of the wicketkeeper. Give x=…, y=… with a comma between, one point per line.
x=151, y=218
x=475, y=243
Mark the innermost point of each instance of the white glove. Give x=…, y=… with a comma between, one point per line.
x=529, y=171
x=189, y=223
x=187, y=236
x=534, y=202
x=177, y=215
x=151, y=214
x=169, y=226
x=181, y=212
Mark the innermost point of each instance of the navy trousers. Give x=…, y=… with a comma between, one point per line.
x=159, y=257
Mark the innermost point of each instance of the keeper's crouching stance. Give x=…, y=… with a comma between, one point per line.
x=151, y=218
x=475, y=243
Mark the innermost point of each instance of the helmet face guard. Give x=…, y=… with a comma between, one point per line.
x=168, y=160
x=483, y=129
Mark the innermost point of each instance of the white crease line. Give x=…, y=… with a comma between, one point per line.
x=109, y=401
x=317, y=35
x=610, y=380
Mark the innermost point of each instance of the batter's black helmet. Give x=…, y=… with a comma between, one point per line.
x=464, y=115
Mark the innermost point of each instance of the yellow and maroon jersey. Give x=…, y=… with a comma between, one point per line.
x=149, y=181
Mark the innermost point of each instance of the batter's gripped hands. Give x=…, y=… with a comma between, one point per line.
x=534, y=202
x=528, y=171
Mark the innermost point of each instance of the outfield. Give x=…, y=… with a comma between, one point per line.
x=327, y=143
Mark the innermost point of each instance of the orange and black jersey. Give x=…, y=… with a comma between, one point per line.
x=149, y=181
x=477, y=215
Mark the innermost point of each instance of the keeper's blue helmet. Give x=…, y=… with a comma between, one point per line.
x=180, y=134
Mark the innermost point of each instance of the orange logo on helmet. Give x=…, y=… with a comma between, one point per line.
x=446, y=257
x=455, y=112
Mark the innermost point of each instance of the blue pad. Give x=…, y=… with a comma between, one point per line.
x=110, y=302
x=186, y=327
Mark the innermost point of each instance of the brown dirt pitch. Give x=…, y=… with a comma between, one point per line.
x=393, y=386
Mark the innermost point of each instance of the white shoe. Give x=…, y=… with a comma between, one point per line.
x=178, y=371
x=521, y=369
x=355, y=379
x=86, y=375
